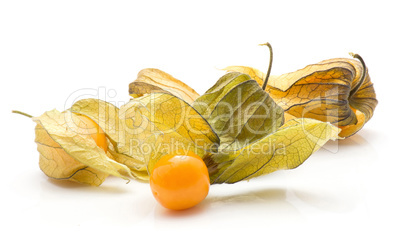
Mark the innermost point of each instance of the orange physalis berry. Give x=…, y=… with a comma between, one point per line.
x=180, y=182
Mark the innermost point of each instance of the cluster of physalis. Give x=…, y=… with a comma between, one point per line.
x=246, y=125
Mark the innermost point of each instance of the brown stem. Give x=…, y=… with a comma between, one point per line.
x=22, y=113
x=362, y=77
x=264, y=85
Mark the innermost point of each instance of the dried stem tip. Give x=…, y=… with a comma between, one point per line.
x=362, y=77
x=264, y=85
x=22, y=113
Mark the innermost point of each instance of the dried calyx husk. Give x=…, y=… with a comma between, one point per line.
x=246, y=125
x=251, y=138
x=337, y=90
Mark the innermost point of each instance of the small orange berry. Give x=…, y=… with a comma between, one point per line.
x=180, y=182
x=95, y=132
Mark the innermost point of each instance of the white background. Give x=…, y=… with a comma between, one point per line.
x=52, y=52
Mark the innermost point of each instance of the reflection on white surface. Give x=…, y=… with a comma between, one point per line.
x=113, y=204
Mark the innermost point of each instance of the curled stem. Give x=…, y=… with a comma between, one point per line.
x=362, y=77
x=264, y=85
x=22, y=113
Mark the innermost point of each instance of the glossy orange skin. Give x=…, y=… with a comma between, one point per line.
x=180, y=182
x=95, y=131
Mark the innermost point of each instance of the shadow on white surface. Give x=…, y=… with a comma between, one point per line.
x=69, y=185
